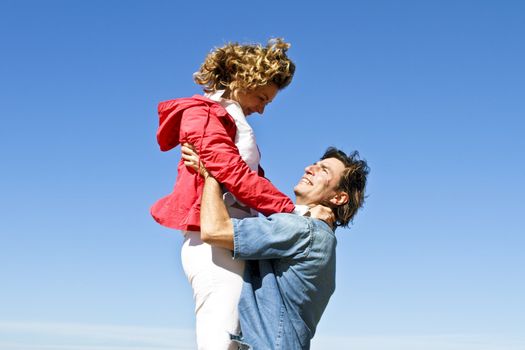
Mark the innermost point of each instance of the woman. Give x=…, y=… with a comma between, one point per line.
x=238, y=80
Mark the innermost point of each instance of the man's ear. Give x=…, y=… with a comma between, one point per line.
x=340, y=198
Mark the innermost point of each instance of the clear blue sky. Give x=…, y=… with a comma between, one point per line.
x=430, y=92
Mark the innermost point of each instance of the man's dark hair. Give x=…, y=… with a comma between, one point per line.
x=353, y=182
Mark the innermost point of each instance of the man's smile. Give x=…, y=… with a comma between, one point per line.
x=306, y=181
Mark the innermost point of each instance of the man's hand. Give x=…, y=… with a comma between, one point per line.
x=323, y=213
x=192, y=159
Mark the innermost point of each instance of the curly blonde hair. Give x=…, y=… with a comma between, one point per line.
x=245, y=67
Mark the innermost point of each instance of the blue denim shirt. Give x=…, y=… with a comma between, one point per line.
x=288, y=280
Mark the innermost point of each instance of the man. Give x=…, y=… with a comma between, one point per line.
x=290, y=259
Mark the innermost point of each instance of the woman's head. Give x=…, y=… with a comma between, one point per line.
x=247, y=72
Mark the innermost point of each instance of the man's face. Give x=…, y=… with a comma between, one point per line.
x=320, y=182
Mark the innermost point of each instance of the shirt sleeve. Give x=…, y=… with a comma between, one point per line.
x=278, y=236
x=202, y=128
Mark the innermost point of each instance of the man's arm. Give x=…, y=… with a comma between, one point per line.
x=255, y=238
x=216, y=226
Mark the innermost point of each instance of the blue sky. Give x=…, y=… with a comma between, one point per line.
x=430, y=92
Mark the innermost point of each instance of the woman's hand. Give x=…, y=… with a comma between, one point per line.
x=192, y=159
x=323, y=213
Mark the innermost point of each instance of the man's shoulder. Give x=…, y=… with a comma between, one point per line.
x=286, y=222
x=277, y=219
x=290, y=219
x=313, y=223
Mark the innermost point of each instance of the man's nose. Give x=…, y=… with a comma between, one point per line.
x=310, y=169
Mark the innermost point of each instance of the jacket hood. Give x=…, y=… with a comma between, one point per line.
x=170, y=116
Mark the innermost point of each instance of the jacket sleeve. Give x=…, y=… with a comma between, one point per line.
x=201, y=127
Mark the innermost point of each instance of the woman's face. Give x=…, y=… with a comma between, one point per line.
x=255, y=100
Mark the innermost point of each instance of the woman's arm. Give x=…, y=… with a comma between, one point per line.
x=202, y=128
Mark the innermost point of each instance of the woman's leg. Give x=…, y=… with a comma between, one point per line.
x=216, y=280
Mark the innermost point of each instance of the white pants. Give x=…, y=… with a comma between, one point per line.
x=216, y=280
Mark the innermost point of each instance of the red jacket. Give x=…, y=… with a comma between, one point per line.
x=206, y=124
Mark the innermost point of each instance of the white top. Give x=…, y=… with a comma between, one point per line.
x=247, y=145
x=244, y=138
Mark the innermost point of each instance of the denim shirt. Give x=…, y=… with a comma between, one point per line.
x=288, y=280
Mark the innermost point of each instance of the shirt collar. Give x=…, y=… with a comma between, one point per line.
x=217, y=97
x=300, y=209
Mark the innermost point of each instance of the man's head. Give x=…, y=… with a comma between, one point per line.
x=337, y=181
